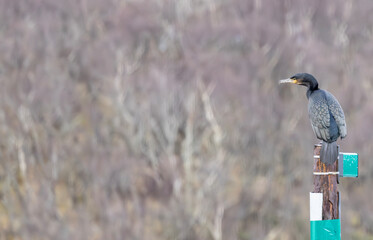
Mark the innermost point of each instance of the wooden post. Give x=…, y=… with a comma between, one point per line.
x=325, y=222
x=325, y=180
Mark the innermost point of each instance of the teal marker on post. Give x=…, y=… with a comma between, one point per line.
x=322, y=229
x=348, y=165
x=326, y=229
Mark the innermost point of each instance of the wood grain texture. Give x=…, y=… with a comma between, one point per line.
x=326, y=184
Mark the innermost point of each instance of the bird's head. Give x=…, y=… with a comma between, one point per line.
x=304, y=79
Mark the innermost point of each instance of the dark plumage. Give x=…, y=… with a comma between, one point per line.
x=325, y=113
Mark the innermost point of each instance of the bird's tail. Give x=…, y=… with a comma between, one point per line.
x=329, y=152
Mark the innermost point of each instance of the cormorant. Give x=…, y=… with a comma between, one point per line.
x=326, y=115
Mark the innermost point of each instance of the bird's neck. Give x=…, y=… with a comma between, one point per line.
x=312, y=86
x=311, y=89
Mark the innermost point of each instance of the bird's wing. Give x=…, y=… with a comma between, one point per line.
x=337, y=112
x=319, y=115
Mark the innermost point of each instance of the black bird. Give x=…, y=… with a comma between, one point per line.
x=326, y=115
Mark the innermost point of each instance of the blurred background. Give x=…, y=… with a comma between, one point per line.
x=163, y=119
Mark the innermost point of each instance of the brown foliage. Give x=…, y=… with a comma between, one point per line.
x=163, y=119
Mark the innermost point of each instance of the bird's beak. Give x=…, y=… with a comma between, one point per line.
x=288, y=80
